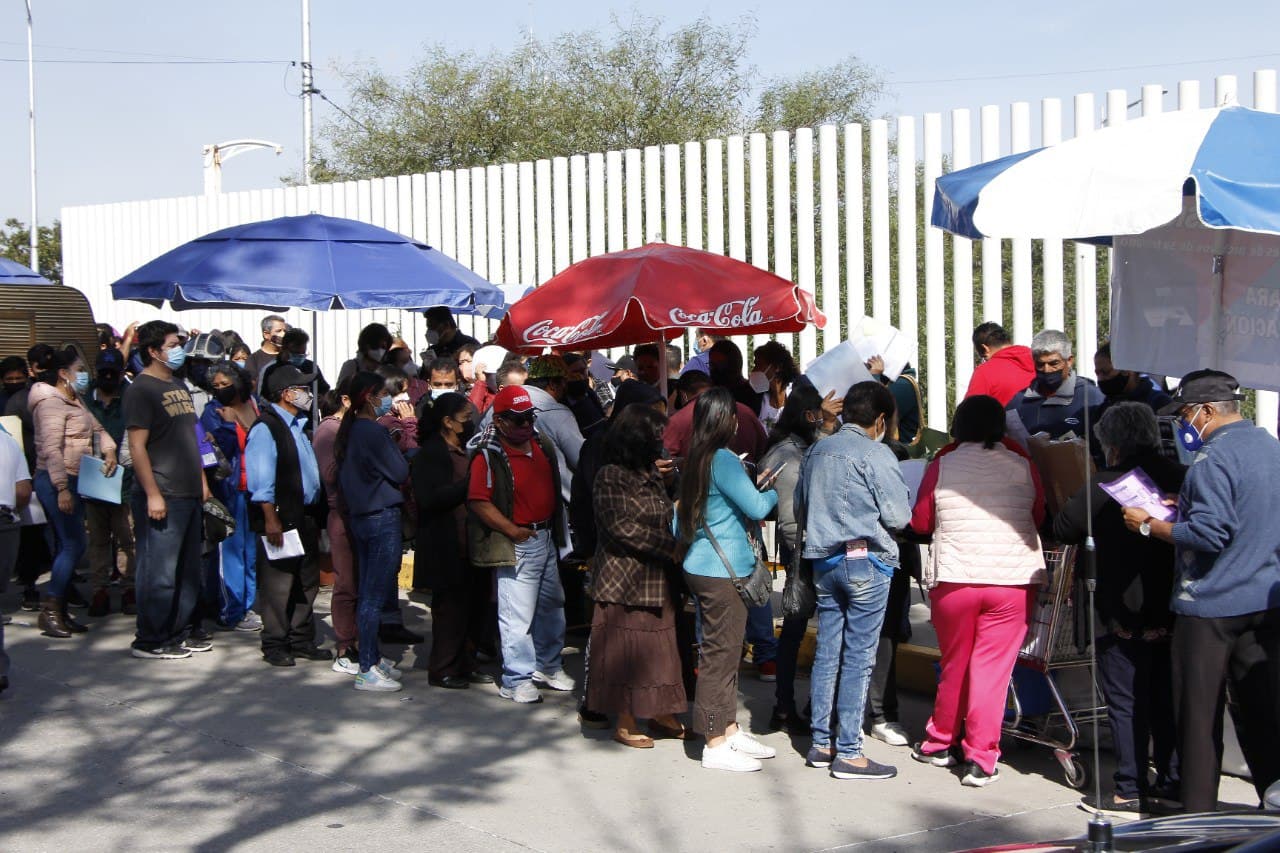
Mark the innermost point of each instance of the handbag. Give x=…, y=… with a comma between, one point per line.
x=754, y=590
x=799, y=596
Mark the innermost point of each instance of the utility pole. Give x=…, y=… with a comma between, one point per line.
x=308, y=88
x=31, y=124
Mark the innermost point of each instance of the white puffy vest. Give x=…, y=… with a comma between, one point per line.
x=984, y=531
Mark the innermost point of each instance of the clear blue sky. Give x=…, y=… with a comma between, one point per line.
x=122, y=132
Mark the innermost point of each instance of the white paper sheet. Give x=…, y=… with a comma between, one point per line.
x=290, y=547
x=1137, y=490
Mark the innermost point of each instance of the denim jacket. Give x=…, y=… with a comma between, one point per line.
x=854, y=490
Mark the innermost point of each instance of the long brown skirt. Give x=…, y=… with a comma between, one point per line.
x=635, y=663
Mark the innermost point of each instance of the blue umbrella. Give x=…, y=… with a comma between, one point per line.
x=315, y=262
x=12, y=272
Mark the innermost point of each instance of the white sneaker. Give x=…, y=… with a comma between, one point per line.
x=891, y=733
x=524, y=693
x=742, y=742
x=346, y=665
x=376, y=680
x=558, y=680
x=725, y=757
x=388, y=667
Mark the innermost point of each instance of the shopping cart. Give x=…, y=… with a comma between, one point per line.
x=1058, y=639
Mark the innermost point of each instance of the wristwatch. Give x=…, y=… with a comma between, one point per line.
x=1145, y=527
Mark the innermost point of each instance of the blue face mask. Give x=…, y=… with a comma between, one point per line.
x=1188, y=436
x=81, y=383
x=175, y=357
x=384, y=406
x=297, y=360
x=240, y=363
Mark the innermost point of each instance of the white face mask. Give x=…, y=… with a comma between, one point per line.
x=758, y=381
x=377, y=354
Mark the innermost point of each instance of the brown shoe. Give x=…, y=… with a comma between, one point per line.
x=72, y=624
x=50, y=620
x=633, y=740
x=658, y=730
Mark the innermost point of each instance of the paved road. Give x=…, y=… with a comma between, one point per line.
x=99, y=751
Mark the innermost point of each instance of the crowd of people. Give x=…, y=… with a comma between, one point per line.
x=244, y=472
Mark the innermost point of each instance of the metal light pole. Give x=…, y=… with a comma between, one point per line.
x=308, y=88
x=31, y=123
x=216, y=155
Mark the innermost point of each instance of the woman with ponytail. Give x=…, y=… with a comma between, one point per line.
x=371, y=470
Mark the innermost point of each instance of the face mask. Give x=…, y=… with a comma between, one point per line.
x=12, y=388
x=277, y=339
x=616, y=381
x=467, y=432
x=80, y=383
x=437, y=393
x=175, y=357
x=226, y=396
x=1188, y=436
x=1050, y=382
x=1114, y=386
x=491, y=382
x=758, y=381
x=377, y=354
x=384, y=406
x=240, y=363
x=433, y=337
x=297, y=360
x=108, y=384
x=302, y=400
x=409, y=368
x=577, y=388
x=517, y=434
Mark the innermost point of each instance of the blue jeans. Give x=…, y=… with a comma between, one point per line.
x=69, y=529
x=851, y=603
x=764, y=643
x=531, y=611
x=239, y=581
x=168, y=581
x=377, y=543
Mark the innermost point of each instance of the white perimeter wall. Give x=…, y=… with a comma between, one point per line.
x=779, y=201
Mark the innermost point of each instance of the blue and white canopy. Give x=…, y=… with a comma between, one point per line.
x=1125, y=179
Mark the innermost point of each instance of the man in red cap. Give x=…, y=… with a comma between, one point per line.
x=516, y=527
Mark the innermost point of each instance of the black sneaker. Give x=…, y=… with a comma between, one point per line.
x=31, y=599
x=198, y=641
x=819, y=757
x=843, y=768
x=74, y=598
x=312, y=652
x=789, y=721
x=976, y=777
x=278, y=657
x=946, y=758
x=1112, y=803
x=175, y=652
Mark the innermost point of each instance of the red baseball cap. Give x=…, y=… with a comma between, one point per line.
x=512, y=398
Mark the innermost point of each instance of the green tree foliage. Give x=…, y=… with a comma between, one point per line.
x=639, y=83
x=15, y=244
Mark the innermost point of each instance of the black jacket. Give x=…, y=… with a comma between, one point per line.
x=1135, y=572
x=438, y=496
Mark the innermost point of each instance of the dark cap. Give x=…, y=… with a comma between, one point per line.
x=633, y=392
x=283, y=376
x=624, y=363
x=1203, y=386
x=109, y=359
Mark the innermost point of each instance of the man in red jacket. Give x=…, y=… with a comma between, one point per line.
x=1005, y=369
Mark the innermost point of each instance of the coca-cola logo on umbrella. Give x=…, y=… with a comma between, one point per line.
x=547, y=332
x=730, y=315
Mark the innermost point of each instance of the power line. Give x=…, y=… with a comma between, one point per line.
x=1029, y=74
x=106, y=50
x=152, y=61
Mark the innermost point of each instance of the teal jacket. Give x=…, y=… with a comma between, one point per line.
x=732, y=503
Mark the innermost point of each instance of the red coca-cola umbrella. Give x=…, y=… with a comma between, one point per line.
x=654, y=293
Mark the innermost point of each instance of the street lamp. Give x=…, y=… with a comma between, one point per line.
x=216, y=155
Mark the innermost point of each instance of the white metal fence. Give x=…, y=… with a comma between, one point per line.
x=843, y=211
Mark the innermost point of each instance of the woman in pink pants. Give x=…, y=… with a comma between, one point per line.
x=982, y=502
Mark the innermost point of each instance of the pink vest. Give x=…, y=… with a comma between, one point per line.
x=984, y=531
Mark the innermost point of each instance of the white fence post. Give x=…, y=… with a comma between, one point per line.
x=935, y=297
x=962, y=264
x=1264, y=98
x=992, y=249
x=881, y=287
x=806, y=260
